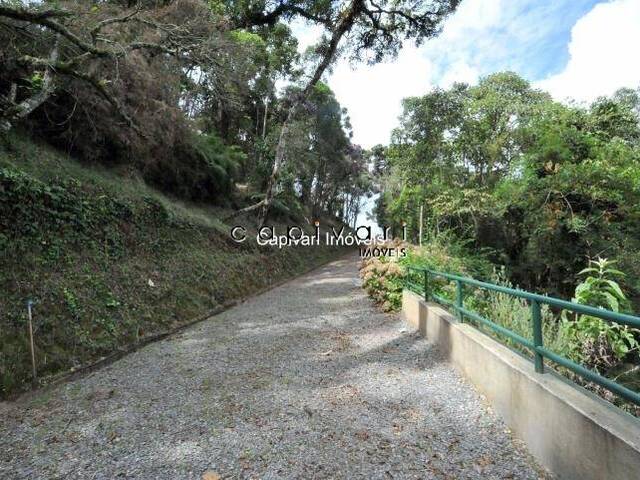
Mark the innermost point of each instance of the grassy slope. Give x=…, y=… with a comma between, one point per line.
x=109, y=261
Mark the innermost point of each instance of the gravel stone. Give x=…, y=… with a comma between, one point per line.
x=305, y=381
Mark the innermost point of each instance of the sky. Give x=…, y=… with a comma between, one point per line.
x=577, y=49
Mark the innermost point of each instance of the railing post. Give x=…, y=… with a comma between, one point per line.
x=459, y=299
x=426, y=286
x=536, y=318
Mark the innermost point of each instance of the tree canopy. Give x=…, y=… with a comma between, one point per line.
x=542, y=186
x=185, y=92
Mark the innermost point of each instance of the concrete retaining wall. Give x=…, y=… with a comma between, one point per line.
x=571, y=432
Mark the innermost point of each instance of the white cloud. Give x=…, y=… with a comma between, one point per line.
x=484, y=36
x=372, y=94
x=473, y=15
x=460, y=71
x=306, y=33
x=603, y=53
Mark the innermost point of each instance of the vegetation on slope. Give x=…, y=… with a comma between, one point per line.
x=179, y=95
x=110, y=261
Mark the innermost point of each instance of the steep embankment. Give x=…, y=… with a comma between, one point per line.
x=110, y=261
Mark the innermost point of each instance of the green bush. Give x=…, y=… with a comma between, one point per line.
x=598, y=344
x=203, y=168
x=608, y=348
x=444, y=253
x=59, y=211
x=514, y=314
x=383, y=279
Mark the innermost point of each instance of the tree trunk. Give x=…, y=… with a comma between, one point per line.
x=268, y=197
x=420, y=228
x=343, y=27
x=266, y=112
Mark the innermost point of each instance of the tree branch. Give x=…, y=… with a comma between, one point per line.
x=16, y=112
x=283, y=10
x=110, y=21
x=31, y=15
x=174, y=43
x=44, y=18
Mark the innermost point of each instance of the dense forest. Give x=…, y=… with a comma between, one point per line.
x=539, y=186
x=182, y=92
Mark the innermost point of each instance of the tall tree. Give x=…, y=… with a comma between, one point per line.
x=364, y=30
x=67, y=42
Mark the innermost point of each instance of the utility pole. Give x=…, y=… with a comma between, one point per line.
x=420, y=228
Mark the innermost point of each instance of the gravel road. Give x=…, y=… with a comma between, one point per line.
x=306, y=381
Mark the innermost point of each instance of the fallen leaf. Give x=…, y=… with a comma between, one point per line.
x=210, y=475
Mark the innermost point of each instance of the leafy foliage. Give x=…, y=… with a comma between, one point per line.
x=514, y=314
x=542, y=186
x=184, y=93
x=205, y=170
x=50, y=213
x=383, y=279
x=597, y=343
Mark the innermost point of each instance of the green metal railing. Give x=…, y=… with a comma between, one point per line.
x=536, y=345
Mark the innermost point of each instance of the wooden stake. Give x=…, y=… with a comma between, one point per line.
x=33, y=351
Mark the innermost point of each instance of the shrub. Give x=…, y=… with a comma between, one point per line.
x=514, y=314
x=382, y=278
x=202, y=168
x=60, y=211
x=445, y=254
x=598, y=344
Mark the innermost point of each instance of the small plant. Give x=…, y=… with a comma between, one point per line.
x=600, y=290
x=599, y=344
x=514, y=314
x=36, y=81
x=112, y=303
x=71, y=301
